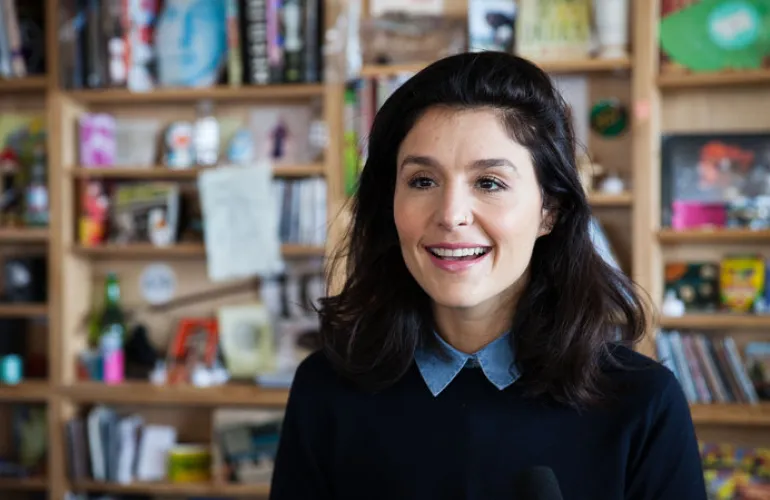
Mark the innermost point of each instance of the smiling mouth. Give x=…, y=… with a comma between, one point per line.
x=459, y=254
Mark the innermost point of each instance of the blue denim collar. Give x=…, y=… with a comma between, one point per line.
x=439, y=363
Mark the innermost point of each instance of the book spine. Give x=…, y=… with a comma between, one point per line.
x=292, y=36
x=312, y=41
x=234, y=57
x=18, y=66
x=255, y=38
x=275, y=54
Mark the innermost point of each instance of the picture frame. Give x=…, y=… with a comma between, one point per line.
x=713, y=168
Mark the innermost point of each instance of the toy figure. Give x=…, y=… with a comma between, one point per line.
x=279, y=136
x=719, y=162
x=93, y=221
x=10, y=195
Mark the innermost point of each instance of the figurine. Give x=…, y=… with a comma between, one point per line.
x=241, y=148
x=178, y=142
x=10, y=195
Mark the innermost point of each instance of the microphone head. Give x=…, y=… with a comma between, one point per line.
x=537, y=483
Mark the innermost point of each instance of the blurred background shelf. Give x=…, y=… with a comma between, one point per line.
x=164, y=173
x=178, y=489
x=713, y=236
x=34, y=83
x=220, y=93
x=597, y=199
x=23, y=484
x=555, y=66
x=24, y=235
x=716, y=321
x=179, y=250
x=138, y=393
x=27, y=391
x=722, y=79
x=731, y=414
x=11, y=310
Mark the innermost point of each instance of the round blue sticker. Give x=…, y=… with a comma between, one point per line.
x=734, y=24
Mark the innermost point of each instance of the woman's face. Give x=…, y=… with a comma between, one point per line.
x=467, y=207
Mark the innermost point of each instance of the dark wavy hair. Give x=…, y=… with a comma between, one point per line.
x=574, y=306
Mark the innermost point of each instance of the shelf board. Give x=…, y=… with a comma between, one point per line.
x=32, y=390
x=720, y=235
x=23, y=235
x=198, y=489
x=597, y=199
x=26, y=84
x=731, y=414
x=219, y=93
x=585, y=65
x=21, y=310
x=574, y=66
x=23, y=484
x=164, y=173
x=716, y=322
x=180, y=250
x=716, y=79
x=184, y=395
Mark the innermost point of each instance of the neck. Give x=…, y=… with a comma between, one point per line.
x=469, y=329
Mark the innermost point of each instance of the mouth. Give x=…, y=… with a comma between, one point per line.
x=458, y=254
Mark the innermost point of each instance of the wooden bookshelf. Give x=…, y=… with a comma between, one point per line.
x=576, y=66
x=161, y=172
x=218, y=490
x=21, y=310
x=23, y=235
x=35, y=83
x=717, y=79
x=177, y=251
x=140, y=393
x=713, y=236
x=23, y=484
x=716, y=322
x=731, y=414
x=597, y=199
x=29, y=391
x=178, y=95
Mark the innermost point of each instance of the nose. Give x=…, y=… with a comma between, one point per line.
x=454, y=209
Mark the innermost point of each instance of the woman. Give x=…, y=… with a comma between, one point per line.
x=478, y=333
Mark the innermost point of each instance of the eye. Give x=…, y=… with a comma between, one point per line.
x=421, y=182
x=490, y=184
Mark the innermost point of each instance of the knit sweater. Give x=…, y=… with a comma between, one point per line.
x=470, y=441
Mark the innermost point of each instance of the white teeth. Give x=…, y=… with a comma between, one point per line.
x=458, y=252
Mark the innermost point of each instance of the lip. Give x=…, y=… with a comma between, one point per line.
x=456, y=266
x=454, y=246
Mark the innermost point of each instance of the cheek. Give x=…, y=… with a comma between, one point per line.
x=407, y=225
x=515, y=229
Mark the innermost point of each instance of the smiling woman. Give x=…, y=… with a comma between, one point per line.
x=478, y=333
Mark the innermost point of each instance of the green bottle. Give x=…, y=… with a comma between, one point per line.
x=113, y=320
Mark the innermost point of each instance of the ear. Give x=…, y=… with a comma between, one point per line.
x=547, y=221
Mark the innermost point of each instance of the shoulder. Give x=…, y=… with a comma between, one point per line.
x=314, y=372
x=644, y=386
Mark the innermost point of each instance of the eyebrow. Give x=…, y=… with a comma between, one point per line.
x=428, y=161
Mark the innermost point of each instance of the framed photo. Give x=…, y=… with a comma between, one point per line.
x=715, y=169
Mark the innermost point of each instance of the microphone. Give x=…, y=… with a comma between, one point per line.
x=537, y=483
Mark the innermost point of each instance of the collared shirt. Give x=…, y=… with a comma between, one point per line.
x=439, y=364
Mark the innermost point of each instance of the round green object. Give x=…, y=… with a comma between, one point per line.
x=609, y=118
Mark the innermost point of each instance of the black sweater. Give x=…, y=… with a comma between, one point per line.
x=471, y=440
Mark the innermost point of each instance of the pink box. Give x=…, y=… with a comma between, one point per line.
x=98, y=144
x=696, y=214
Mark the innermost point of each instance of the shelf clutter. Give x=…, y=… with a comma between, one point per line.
x=93, y=134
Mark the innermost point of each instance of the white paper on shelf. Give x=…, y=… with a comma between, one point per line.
x=240, y=222
x=574, y=90
x=429, y=7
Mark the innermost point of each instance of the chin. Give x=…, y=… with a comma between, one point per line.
x=455, y=299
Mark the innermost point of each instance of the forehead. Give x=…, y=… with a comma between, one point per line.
x=462, y=135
